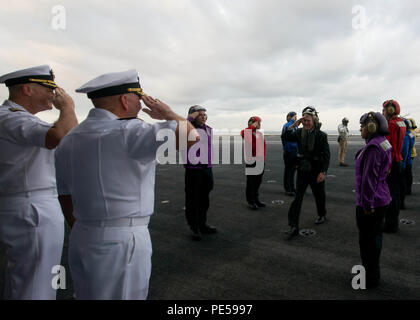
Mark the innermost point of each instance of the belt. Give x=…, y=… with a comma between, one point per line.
x=120, y=222
x=33, y=193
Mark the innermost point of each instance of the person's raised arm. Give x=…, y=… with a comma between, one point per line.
x=66, y=121
x=289, y=134
x=161, y=111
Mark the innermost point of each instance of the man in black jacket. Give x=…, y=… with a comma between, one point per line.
x=313, y=161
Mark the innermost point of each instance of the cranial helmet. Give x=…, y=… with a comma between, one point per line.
x=375, y=123
x=392, y=107
x=310, y=110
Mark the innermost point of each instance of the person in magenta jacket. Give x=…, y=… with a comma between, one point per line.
x=372, y=192
x=199, y=175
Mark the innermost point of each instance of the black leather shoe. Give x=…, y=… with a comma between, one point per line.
x=252, y=206
x=196, y=235
x=293, y=232
x=260, y=204
x=320, y=220
x=208, y=229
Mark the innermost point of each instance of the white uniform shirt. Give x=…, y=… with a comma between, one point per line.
x=25, y=162
x=108, y=166
x=343, y=131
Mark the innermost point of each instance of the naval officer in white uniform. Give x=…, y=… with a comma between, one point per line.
x=106, y=175
x=31, y=221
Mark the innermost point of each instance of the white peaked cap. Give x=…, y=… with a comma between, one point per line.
x=110, y=84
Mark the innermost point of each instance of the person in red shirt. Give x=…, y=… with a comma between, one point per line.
x=396, y=127
x=254, y=161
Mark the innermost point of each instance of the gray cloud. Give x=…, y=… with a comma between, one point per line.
x=239, y=58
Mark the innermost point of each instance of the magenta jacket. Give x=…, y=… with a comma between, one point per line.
x=205, y=132
x=372, y=166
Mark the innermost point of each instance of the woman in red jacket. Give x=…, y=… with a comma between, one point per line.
x=254, y=150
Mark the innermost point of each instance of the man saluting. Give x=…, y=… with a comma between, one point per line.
x=31, y=222
x=106, y=176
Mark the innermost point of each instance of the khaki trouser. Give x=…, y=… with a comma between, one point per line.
x=342, y=149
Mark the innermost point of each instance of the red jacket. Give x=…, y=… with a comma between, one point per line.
x=396, y=128
x=255, y=135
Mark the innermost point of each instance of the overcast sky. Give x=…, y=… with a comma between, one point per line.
x=237, y=58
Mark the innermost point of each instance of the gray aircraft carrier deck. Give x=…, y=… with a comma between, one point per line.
x=249, y=259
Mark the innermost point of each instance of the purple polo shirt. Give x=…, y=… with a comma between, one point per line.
x=205, y=132
x=372, y=166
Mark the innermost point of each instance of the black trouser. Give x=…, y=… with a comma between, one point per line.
x=370, y=241
x=393, y=212
x=403, y=187
x=253, y=183
x=318, y=190
x=198, y=184
x=289, y=171
x=409, y=178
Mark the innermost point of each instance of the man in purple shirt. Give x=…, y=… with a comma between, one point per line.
x=199, y=175
x=372, y=192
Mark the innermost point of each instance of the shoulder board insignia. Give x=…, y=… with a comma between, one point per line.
x=385, y=145
x=15, y=109
x=401, y=123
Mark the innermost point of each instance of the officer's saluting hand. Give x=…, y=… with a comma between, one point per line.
x=159, y=110
x=62, y=99
x=66, y=121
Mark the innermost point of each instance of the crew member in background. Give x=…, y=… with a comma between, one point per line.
x=254, y=150
x=409, y=168
x=396, y=127
x=343, y=134
x=406, y=150
x=289, y=157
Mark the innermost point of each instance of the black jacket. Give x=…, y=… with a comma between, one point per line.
x=319, y=156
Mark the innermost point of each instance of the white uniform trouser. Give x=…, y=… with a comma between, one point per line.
x=32, y=229
x=110, y=263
